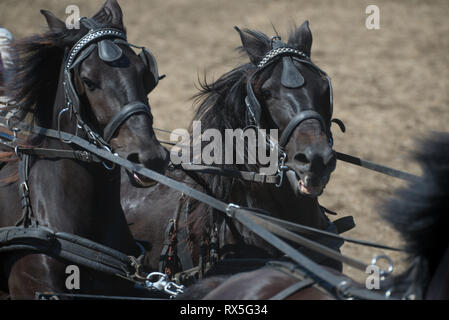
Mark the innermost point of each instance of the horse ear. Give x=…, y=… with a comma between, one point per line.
x=301, y=38
x=111, y=14
x=254, y=43
x=54, y=23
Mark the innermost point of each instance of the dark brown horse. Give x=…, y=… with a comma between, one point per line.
x=273, y=95
x=419, y=212
x=68, y=195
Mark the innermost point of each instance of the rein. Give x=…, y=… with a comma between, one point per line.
x=263, y=178
x=31, y=236
x=245, y=216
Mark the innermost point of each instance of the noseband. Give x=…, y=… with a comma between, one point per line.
x=291, y=78
x=106, y=39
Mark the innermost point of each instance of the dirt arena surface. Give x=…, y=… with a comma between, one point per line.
x=390, y=85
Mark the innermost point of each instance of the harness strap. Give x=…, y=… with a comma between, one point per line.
x=296, y=121
x=169, y=262
x=244, y=216
x=339, y=283
x=342, y=157
x=309, y=244
x=377, y=167
x=311, y=231
x=287, y=292
x=67, y=246
x=126, y=112
x=27, y=218
x=58, y=153
x=183, y=239
x=244, y=175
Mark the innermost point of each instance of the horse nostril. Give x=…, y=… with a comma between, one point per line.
x=134, y=157
x=301, y=157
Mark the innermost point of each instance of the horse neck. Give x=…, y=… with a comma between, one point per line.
x=280, y=203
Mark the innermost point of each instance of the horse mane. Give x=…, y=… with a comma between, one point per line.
x=420, y=212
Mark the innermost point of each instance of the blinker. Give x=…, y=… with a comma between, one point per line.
x=108, y=51
x=291, y=77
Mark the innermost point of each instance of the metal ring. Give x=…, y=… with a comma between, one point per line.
x=16, y=151
x=281, y=168
x=281, y=179
x=112, y=167
x=390, y=264
x=340, y=290
x=230, y=208
x=24, y=186
x=13, y=129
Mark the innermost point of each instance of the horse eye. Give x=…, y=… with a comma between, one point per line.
x=89, y=84
x=266, y=93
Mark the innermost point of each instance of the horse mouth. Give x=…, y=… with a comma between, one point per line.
x=140, y=181
x=299, y=185
x=311, y=191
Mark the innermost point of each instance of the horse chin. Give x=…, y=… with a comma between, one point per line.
x=140, y=181
x=299, y=187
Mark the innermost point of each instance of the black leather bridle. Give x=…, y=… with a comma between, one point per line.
x=291, y=78
x=106, y=39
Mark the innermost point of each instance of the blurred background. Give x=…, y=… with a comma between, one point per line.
x=391, y=86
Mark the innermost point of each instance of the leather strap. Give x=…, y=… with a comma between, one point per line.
x=344, y=224
x=306, y=230
x=377, y=167
x=242, y=215
x=27, y=218
x=126, y=112
x=244, y=175
x=287, y=292
x=59, y=153
x=67, y=246
x=296, y=121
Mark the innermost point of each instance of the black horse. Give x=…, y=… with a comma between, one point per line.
x=69, y=195
x=280, y=88
x=418, y=212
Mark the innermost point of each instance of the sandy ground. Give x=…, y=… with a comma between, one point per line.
x=390, y=85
